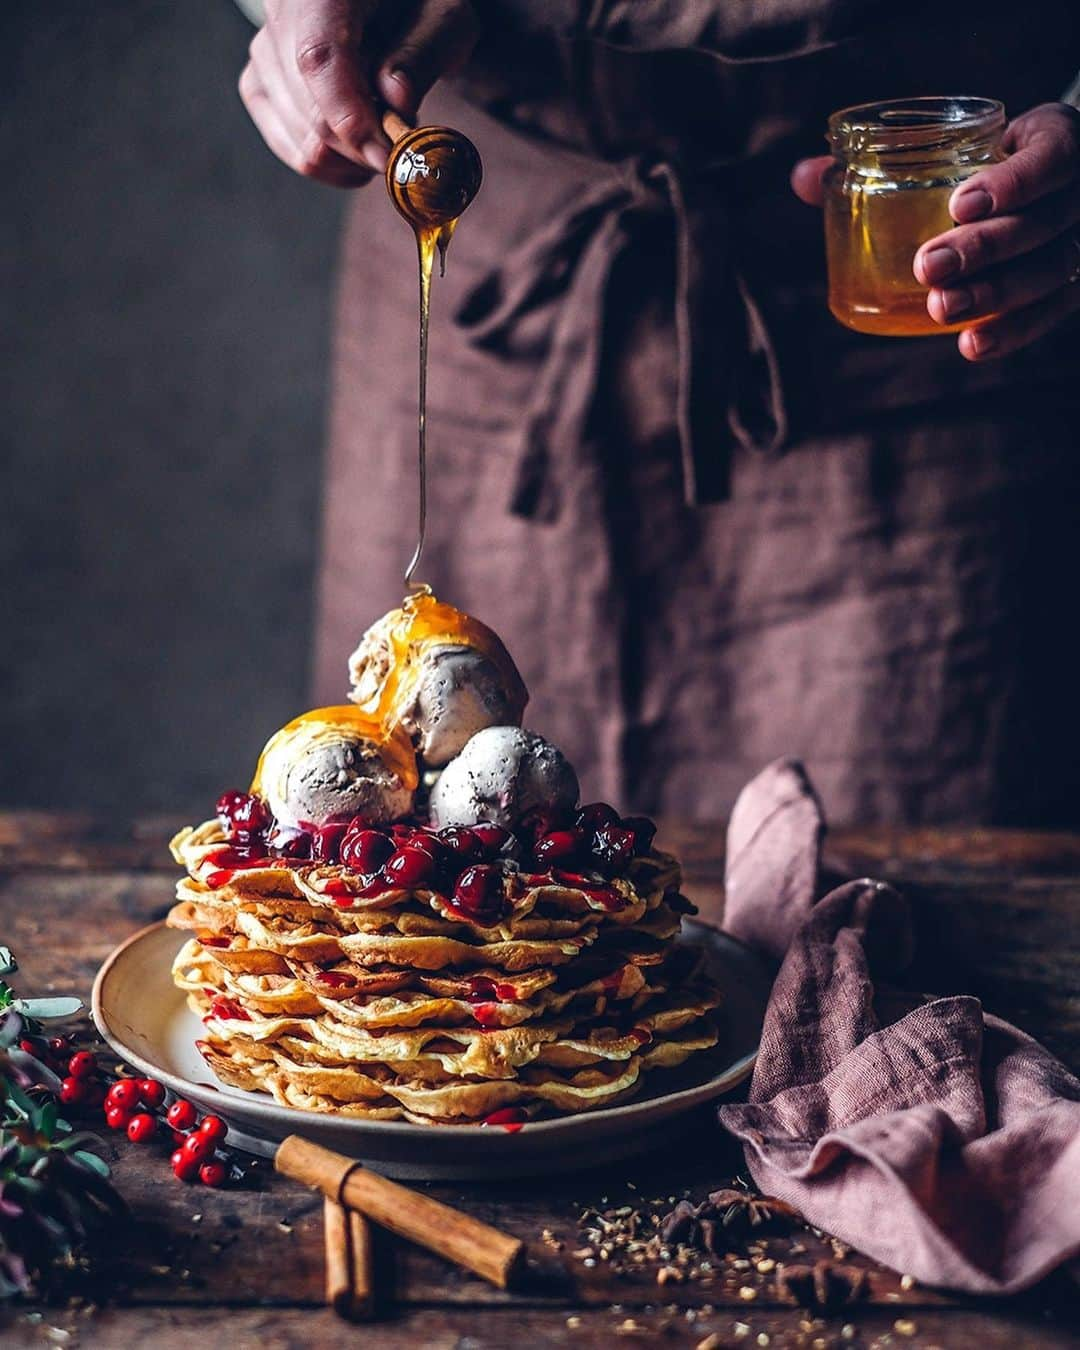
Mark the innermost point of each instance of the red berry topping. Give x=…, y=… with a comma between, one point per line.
x=184, y=1168
x=243, y=815
x=366, y=850
x=58, y=1045
x=511, y=1118
x=181, y=1115
x=641, y=1034
x=29, y=1047
x=117, y=1118
x=493, y=837
x=290, y=844
x=225, y=806
x=151, y=1092
x=334, y=979
x=72, y=1091
x=535, y=824
x=214, y=1128
x=141, y=1128
x=326, y=842
x=613, y=846
x=487, y=1014
x=558, y=848
x=481, y=989
x=644, y=831
x=466, y=845
x=213, y=1174
x=412, y=865
x=124, y=1093
x=228, y=1009
x=198, y=1147
x=82, y=1064
x=478, y=893
x=596, y=814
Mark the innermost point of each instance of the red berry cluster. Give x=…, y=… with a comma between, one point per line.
x=463, y=863
x=132, y=1104
x=595, y=837
x=80, y=1082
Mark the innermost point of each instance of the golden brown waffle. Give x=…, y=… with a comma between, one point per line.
x=399, y=1006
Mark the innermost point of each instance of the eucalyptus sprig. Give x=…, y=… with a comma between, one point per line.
x=54, y=1188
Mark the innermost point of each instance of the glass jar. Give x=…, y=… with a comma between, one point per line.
x=896, y=165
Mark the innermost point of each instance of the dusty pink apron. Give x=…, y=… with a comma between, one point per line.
x=712, y=525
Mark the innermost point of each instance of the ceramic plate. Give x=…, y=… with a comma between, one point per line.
x=146, y=1020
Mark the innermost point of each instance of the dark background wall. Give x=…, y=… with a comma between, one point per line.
x=165, y=293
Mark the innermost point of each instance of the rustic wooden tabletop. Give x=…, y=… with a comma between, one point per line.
x=998, y=914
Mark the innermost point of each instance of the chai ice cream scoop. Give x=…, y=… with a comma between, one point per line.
x=502, y=773
x=437, y=673
x=331, y=765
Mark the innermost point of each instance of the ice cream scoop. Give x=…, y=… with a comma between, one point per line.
x=333, y=764
x=438, y=674
x=502, y=773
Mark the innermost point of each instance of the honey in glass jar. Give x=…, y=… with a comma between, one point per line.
x=895, y=167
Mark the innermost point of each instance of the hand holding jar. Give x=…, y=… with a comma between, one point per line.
x=1005, y=274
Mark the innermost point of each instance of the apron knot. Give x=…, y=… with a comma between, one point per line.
x=547, y=301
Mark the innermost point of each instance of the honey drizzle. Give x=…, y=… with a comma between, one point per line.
x=429, y=240
x=394, y=744
x=421, y=623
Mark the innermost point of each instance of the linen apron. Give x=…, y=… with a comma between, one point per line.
x=712, y=525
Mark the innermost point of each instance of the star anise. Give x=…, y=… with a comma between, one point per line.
x=824, y=1287
x=726, y=1215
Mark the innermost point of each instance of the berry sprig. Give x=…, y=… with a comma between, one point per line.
x=134, y=1105
x=137, y=1106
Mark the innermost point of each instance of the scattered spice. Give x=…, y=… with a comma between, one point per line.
x=725, y=1215
x=824, y=1286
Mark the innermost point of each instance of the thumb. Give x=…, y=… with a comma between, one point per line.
x=439, y=42
x=807, y=179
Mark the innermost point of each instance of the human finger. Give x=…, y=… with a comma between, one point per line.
x=437, y=42
x=1045, y=158
x=808, y=179
x=1013, y=286
x=313, y=160
x=999, y=337
x=320, y=47
x=969, y=249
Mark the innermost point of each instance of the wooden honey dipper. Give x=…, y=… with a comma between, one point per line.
x=433, y=172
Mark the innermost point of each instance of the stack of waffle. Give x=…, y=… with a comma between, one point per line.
x=557, y=992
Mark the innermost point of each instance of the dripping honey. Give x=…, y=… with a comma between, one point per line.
x=433, y=175
x=896, y=167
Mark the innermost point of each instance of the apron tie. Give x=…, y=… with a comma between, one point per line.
x=548, y=301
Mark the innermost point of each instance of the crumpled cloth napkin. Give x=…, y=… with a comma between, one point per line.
x=935, y=1138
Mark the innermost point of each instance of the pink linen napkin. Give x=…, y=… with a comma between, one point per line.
x=937, y=1139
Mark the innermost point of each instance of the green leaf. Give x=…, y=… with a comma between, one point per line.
x=8, y=964
x=45, y=1008
x=91, y=1160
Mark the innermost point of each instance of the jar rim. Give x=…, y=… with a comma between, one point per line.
x=914, y=123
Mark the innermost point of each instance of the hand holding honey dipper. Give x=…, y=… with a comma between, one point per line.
x=322, y=72
x=1007, y=271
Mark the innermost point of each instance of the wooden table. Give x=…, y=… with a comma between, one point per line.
x=998, y=914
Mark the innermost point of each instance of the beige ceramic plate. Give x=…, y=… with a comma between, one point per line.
x=147, y=1022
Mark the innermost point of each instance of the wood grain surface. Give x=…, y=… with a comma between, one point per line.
x=997, y=912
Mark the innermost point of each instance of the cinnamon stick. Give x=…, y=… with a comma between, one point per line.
x=494, y=1256
x=350, y=1287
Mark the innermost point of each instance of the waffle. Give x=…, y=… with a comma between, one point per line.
x=399, y=1005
